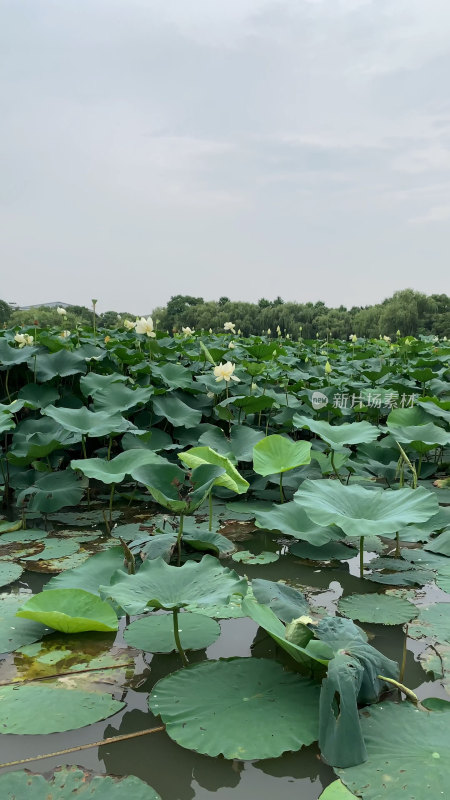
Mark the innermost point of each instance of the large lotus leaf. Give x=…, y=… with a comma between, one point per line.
x=157, y=546
x=174, y=375
x=336, y=791
x=340, y=738
x=338, y=435
x=9, y=573
x=240, y=444
x=208, y=541
x=230, y=610
x=267, y=619
x=377, y=608
x=333, y=551
x=231, y=479
x=176, y=412
x=89, y=423
x=14, y=355
x=114, y=471
x=154, y=633
x=44, y=708
x=408, y=754
x=16, y=632
x=158, y=585
x=227, y=707
x=433, y=622
x=36, y=396
x=287, y=603
x=343, y=635
x=411, y=425
x=291, y=520
x=69, y=782
x=96, y=570
x=360, y=511
x=54, y=548
x=48, y=365
x=153, y=439
x=276, y=454
x=164, y=481
x=433, y=406
x=37, y=438
x=53, y=491
x=92, y=383
x=118, y=398
x=441, y=544
x=70, y=611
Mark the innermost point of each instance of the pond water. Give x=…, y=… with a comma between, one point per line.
x=179, y=774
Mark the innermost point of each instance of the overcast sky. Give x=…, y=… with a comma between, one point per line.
x=223, y=147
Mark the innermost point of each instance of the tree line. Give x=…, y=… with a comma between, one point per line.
x=410, y=312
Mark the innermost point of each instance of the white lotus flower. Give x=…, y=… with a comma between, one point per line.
x=387, y=338
x=210, y=331
x=268, y=331
x=65, y=334
x=61, y=311
x=224, y=372
x=23, y=339
x=145, y=326
x=187, y=331
x=128, y=324
x=353, y=337
x=231, y=346
x=229, y=326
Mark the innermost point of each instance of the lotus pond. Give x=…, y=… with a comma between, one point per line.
x=224, y=566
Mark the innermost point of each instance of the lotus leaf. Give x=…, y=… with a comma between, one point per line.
x=231, y=479
x=158, y=585
x=154, y=633
x=337, y=436
x=45, y=708
x=228, y=706
x=377, y=608
x=16, y=632
x=277, y=454
x=287, y=603
x=114, y=471
x=68, y=782
x=70, y=611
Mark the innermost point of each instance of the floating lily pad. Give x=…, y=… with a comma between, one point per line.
x=23, y=536
x=9, y=573
x=408, y=754
x=42, y=708
x=70, y=611
x=16, y=632
x=68, y=782
x=265, y=557
x=377, y=608
x=432, y=621
x=154, y=633
x=227, y=707
x=332, y=551
x=54, y=548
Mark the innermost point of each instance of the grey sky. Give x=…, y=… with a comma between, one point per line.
x=223, y=147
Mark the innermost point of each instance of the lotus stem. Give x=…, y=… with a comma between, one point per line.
x=281, y=488
x=361, y=556
x=83, y=445
x=6, y=386
x=403, y=664
x=402, y=688
x=176, y=634
x=180, y=534
x=108, y=457
x=111, y=498
x=210, y=510
x=397, y=545
x=334, y=465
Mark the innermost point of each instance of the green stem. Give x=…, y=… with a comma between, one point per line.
x=108, y=457
x=334, y=465
x=361, y=556
x=176, y=634
x=210, y=510
x=281, y=488
x=6, y=385
x=397, y=545
x=111, y=498
x=83, y=445
x=409, y=693
x=403, y=664
x=180, y=534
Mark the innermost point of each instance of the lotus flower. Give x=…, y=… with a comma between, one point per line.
x=23, y=339
x=61, y=311
x=145, y=326
x=128, y=324
x=231, y=346
x=353, y=337
x=229, y=326
x=187, y=331
x=65, y=334
x=328, y=368
x=224, y=372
